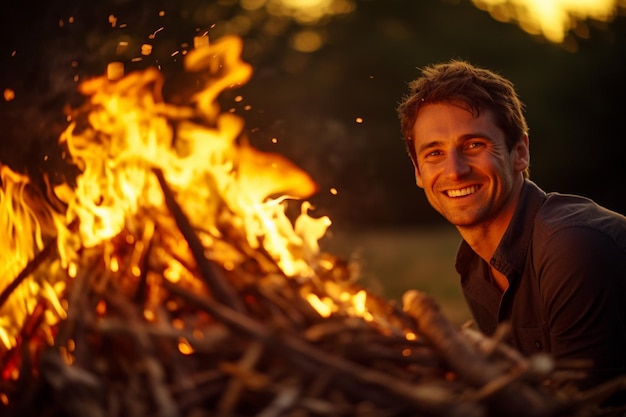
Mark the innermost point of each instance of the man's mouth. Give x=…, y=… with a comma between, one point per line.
x=462, y=192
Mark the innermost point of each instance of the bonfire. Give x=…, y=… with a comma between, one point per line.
x=174, y=277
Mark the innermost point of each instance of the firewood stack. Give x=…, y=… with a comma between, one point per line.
x=234, y=342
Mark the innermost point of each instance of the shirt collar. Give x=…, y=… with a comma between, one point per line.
x=510, y=254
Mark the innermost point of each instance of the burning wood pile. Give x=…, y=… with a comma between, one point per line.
x=170, y=281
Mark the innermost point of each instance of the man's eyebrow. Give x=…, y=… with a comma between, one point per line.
x=475, y=135
x=428, y=145
x=460, y=139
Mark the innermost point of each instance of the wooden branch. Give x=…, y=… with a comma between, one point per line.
x=48, y=250
x=510, y=398
x=287, y=397
x=141, y=256
x=224, y=292
x=77, y=314
x=242, y=374
x=488, y=346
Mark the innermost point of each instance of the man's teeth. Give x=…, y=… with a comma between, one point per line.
x=463, y=191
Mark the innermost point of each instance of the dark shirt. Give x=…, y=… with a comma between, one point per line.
x=565, y=259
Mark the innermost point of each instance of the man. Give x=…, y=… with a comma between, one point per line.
x=551, y=265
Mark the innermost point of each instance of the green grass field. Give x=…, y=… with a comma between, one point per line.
x=392, y=261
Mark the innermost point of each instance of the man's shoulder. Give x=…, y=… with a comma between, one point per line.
x=574, y=210
x=563, y=216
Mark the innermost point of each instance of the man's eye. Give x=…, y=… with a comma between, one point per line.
x=475, y=145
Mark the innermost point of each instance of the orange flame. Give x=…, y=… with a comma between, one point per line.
x=122, y=134
x=131, y=131
x=26, y=222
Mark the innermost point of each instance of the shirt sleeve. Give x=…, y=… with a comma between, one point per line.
x=581, y=280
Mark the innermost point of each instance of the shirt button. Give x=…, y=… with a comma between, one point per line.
x=538, y=345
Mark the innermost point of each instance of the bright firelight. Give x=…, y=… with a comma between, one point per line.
x=233, y=195
x=550, y=18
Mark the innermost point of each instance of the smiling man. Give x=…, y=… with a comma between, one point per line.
x=551, y=265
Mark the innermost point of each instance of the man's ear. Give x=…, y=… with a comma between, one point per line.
x=521, y=154
x=418, y=177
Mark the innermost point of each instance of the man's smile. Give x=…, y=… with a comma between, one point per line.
x=462, y=192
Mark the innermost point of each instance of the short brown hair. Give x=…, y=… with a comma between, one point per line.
x=478, y=88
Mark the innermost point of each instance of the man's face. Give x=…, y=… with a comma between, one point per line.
x=464, y=166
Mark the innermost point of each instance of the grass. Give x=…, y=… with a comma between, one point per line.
x=392, y=261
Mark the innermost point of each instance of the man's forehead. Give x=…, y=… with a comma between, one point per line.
x=445, y=122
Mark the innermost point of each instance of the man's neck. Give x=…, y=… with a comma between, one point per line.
x=485, y=237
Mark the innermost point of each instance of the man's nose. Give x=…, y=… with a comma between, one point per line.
x=456, y=165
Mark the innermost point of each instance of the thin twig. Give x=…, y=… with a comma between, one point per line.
x=48, y=250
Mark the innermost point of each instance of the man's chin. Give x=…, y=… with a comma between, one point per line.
x=463, y=220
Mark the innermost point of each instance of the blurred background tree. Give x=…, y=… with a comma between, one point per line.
x=326, y=84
